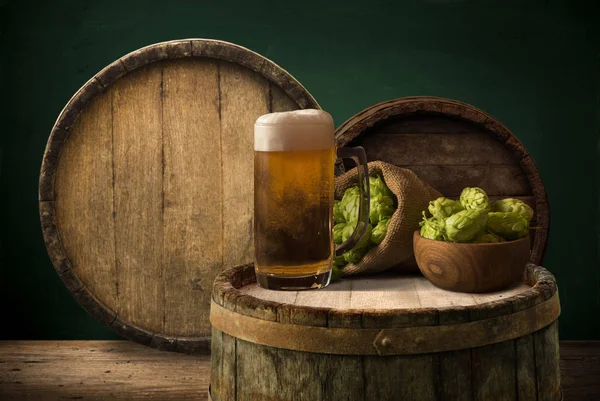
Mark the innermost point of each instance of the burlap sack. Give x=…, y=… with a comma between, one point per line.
x=413, y=196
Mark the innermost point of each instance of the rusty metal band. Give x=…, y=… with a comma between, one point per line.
x=392, y=341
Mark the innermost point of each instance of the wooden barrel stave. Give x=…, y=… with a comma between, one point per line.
x=522, y=368
x=147, y=179
x=452, y=145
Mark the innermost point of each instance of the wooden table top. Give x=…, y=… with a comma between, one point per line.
x=383, y=291
x=123, y=370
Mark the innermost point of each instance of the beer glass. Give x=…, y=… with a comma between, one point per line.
x=294, y=157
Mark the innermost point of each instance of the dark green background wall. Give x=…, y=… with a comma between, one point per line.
x=532, y=64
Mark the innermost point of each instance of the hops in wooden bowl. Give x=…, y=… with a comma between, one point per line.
x=467, y=245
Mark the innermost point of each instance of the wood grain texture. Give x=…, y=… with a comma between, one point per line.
x=192, y=196
x=51, y=370
x=547, y=359
x=451, y=145
x=84, y=200
x=506, y=370
x=242, y=100
x=443, y=149
x=146, y=184
x=385, y=291
x=138, y=194
x=471, y=267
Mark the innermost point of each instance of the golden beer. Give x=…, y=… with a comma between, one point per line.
x=294, y=156
x=293, y=212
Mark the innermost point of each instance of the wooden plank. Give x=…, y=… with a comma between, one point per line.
x=50, y=370
x=284, y=297
x=224, y=365
x=138, y=181
x=244, y=97
x=334, y=296
x=431, y=124
x=266, y=373
x=99, y=370
x=496, y=180
x=279, y=101
x=420, y=148
x=526, y=371
x=455, y=375
x=385, y=291
x=547, y=359
x=378, y=292
x=84, y=201
x=580, y=368
x=406, y=378
x=192, y=193
x=493, y=372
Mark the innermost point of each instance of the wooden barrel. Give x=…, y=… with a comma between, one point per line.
x=146, y=187
x=452, y=145
x=384, y=338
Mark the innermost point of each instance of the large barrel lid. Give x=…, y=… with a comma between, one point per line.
x=146, y=185
x=452, y=145
x=380, y=315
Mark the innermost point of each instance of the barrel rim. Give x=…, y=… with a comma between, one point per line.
x=354, y=126
x=169, y=50
x=227, y=295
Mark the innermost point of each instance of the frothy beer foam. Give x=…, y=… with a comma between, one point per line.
x=294, y=130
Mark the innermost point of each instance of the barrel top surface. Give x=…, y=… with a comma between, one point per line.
x=385, y=292
x=377, y=301
x=146, y=185
x=452, y=145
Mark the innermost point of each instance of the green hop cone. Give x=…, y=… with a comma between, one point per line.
x=361, y=249
x=433, y=228
x=350, y=204
x=339, y=262
x=381, y=207
x=513, y=205
x=466, y=224
x=338, y=230
x=356, y=254
x=336, y=273
x=380, y=231
x=378, y=187
x=474, y=198
x=442, y=208
x=338, y=216
x=508, y=225
x=486, y=238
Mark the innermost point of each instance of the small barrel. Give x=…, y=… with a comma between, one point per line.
x=385, y=337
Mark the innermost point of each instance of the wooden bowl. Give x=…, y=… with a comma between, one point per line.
x=471, y=267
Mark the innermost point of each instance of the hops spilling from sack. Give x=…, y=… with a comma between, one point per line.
x=345, y=217
x=472, y=219
x=397, y=198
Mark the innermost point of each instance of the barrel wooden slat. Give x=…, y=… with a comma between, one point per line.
x=547, y=356
x=192, y=203
x=455, y=375
x=493, y=372
x=465, y=148
x=414, y=377
x=84, y=211
x=451, y=145
x=498, y=180
x=146, y=187
x=526, y=368
x=138, y=186
x=242, y=100
x=278, y=100
x=514, y=369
